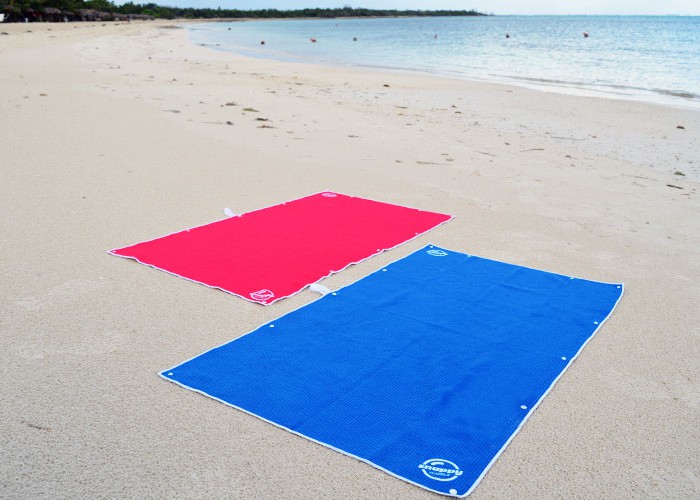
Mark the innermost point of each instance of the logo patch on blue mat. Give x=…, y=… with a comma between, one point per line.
x=437, y=253
x=440, y=470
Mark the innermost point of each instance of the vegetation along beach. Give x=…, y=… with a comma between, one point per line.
x=580, y=157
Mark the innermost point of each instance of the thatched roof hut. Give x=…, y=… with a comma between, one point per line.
x=52, y=15
x=142, y=17
x=12, y=13
x=86, y=15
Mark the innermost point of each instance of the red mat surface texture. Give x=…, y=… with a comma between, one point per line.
x=272, y=253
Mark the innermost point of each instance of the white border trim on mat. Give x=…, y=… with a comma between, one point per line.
x=330, y=273
x=495, y=457
x=526, y=267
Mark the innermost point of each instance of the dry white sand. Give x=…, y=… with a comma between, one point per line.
x=114, y=134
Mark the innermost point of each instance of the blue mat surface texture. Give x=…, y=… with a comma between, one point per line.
x=425, y=369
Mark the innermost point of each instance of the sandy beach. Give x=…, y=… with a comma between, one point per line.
x=117, y=133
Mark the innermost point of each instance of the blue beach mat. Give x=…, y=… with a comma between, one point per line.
x=425, y=369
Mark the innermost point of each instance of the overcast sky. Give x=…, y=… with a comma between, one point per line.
x=495, y=6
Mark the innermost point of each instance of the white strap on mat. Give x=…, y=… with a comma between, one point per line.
x=315, y=287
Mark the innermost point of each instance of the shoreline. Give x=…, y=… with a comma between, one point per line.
x=690, y=170
x=126, y=132
x=652, y=95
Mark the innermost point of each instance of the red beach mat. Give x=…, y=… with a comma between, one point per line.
x=275, y=252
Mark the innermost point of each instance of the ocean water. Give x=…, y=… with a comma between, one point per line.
x=653, y=58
